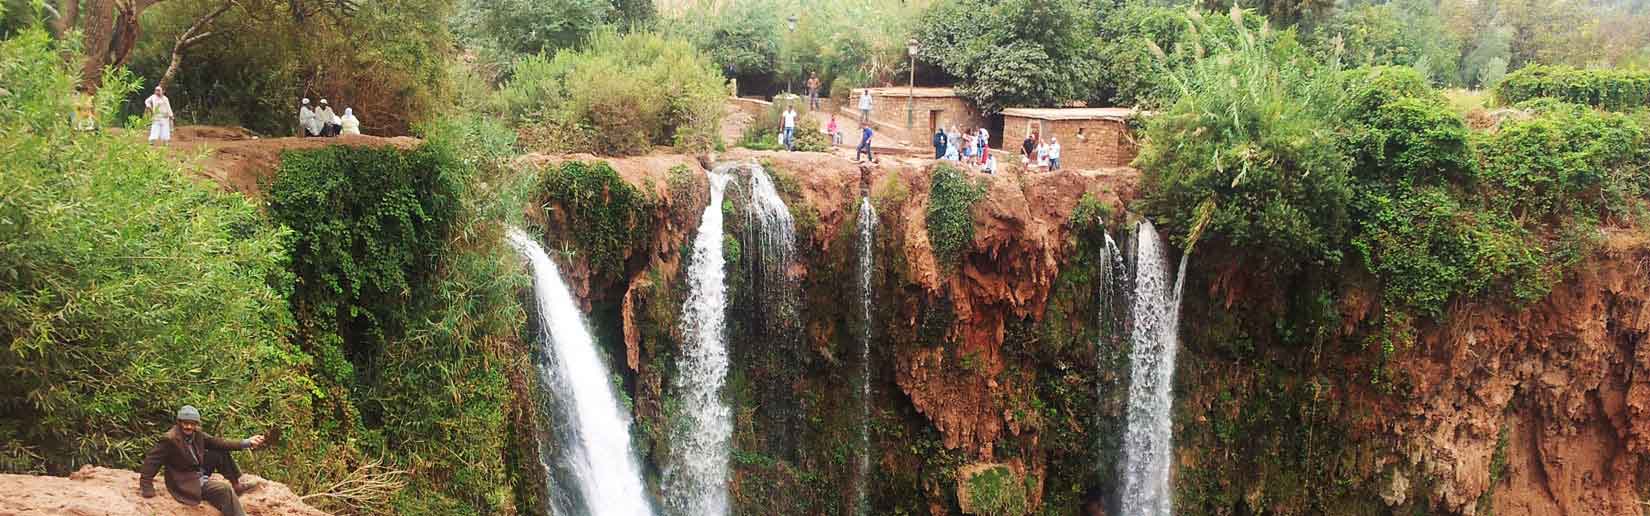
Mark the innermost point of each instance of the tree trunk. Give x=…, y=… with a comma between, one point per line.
x=67, y=11
x=111, y=32
x=99, y=31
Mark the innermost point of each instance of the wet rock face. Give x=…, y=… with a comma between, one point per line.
x=114, y=492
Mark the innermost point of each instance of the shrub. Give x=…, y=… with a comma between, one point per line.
x=1568, y=160
x=1252, y=132
x=950, y=218
x=1617, y=90
x=128, y=289
x=620, y=95
x=614, y=217
x=763, y=133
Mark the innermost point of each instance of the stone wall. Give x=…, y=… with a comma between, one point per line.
x=888, y=108
x=1104, y=143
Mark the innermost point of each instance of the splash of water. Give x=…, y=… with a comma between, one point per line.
x=1148, y=441
x=594, y=431
x=697, y=478
x=867, y=233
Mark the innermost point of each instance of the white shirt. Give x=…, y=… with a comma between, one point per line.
x=865, y=100
x=161, y=106
x=1054, y=150
x=790, y=118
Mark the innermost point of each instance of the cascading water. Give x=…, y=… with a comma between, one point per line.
x=696, y=479
x=594, y=431
x=867, y=232
x=772, y=300
x=1148, y=441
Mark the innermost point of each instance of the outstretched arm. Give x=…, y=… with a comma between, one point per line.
x=215, y=443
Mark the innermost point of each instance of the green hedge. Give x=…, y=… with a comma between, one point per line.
x=1617, y=90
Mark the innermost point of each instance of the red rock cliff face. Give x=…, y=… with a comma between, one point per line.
x=1568, y=381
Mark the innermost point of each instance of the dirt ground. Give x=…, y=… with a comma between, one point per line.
x=240, y=161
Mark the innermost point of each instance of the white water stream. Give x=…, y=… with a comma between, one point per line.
x=595, y=432
x=1148, y=442
x=696, y=481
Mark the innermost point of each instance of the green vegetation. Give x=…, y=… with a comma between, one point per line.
x=400, y=267
x=1011, y=52
x=763, y=133
x=997, y=491
x=950, y=219
x=1377, y=166
x=619, y=95
x=388, y=61
x=1618, y=90
x=127, y=290
x=613, y=216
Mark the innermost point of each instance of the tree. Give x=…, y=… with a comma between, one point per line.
x=1012, y=52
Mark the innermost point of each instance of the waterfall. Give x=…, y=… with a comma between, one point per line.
x=594, y=431
x=697, y=477
x=773, y=347
x=867, y=233
x=1148, y=441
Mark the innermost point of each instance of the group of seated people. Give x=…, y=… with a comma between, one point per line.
x=323, y=122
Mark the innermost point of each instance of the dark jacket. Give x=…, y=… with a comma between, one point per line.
x=182, y=468
x=939, y=140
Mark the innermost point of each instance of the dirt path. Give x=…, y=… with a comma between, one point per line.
x=240, y=161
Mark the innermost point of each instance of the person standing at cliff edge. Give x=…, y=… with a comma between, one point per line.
x=190, y=456
x=865, y=107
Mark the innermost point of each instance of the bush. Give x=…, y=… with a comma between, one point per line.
x=620, y=95
x=128, y=289
x=950, y=218
x=764, y=132
x=1616, y=90
x=1252, y=132
x=615, y=217
x=406, y=294
x=1568, y=160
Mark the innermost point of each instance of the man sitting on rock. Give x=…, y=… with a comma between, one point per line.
x=190, y=456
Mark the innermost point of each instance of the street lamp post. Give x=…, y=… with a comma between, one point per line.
x=911, y=87
x=791, y=24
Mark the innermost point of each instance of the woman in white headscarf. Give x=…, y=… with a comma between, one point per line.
x=350, y=124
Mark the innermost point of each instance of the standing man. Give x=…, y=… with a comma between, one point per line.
x=865, y=106
x=790, y=128
x=813, y=92
x=161, y=108
x=939, y=143
x=1053, y=153
x=190, y=456
x=306, y=121
x=864, y=144
x=1029, y=149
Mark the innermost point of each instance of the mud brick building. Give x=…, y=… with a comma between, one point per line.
x=1089, y=137
x=930, y=108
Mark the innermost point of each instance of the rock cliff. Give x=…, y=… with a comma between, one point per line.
x=95, y=491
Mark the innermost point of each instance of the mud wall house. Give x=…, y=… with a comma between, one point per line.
x=931, y=108
x=1089, y=137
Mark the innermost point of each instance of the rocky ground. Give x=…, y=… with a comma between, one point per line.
x=95, y=491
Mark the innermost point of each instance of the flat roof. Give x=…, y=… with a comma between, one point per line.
x=1110, y=113
x=896, y=91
